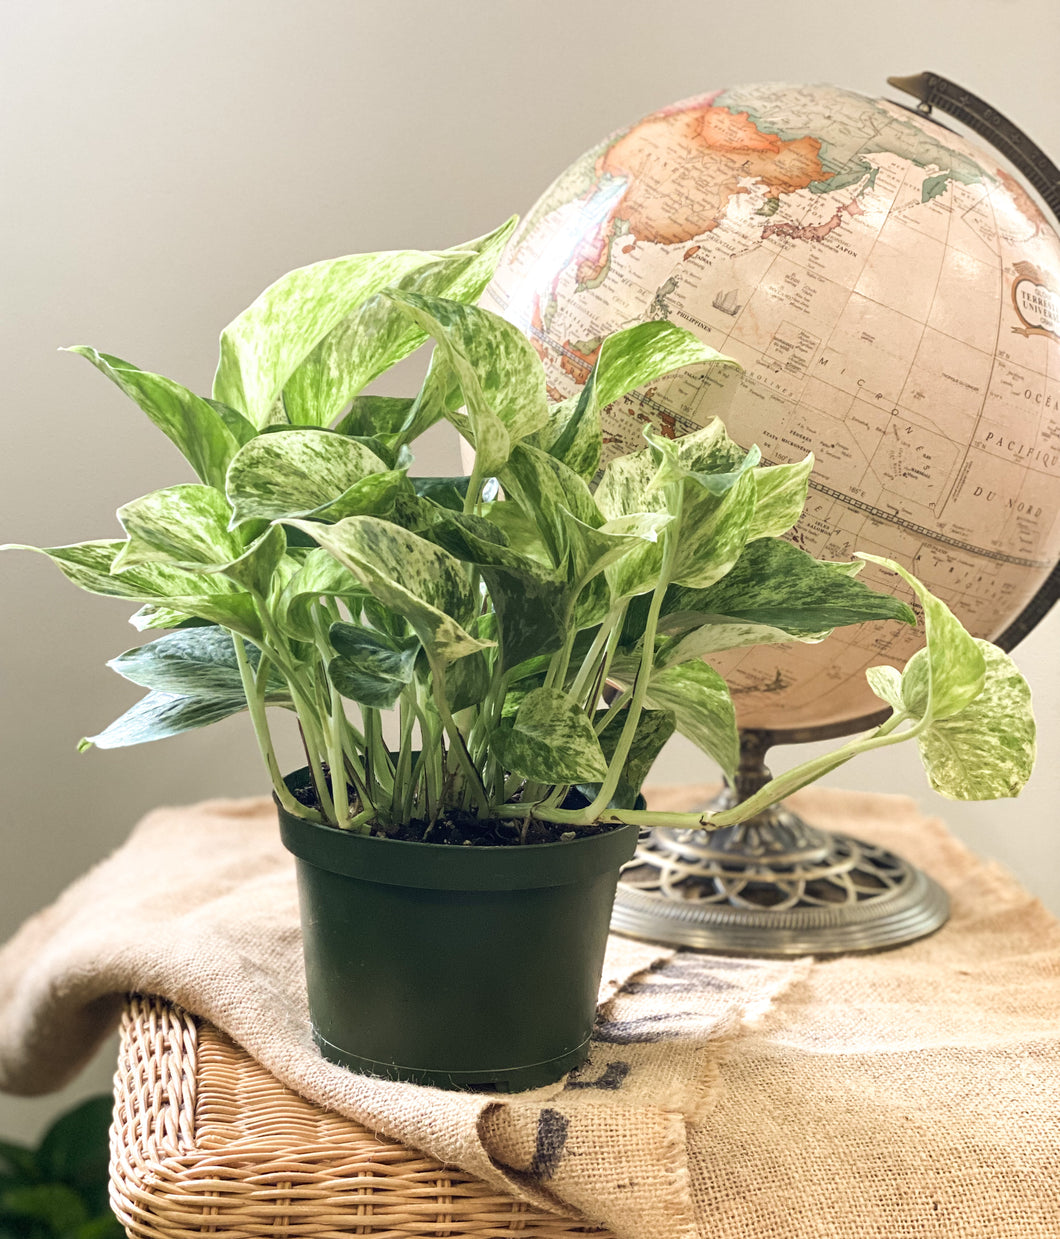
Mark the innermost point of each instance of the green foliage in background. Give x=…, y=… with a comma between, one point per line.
x=308, y=570
x=58, y=1190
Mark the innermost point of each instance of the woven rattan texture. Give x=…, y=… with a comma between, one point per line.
x=206, y=1142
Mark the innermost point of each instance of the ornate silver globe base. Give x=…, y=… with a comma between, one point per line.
x=772, y=885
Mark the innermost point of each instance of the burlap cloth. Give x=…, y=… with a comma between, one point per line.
x=912, y=1093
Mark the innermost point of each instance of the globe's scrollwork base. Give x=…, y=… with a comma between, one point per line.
x=773, y=885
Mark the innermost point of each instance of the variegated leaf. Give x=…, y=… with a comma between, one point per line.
x=702, y=708
x=985, y=750
x=718, y=632
x=160, y=715
x=208, y=435
x=376, y=415
x=319, y=576
x=529, y=598
x=627, y=360
x=777, y=585
x=654, y=728
x=263, y=347
x=950, y=674
x=780, y=496
x=713, y=531
x=552, y=740
x=297, y=472
x=500, y=374
x=371, y=668
x=408, y=574
x=886, y=683
x=550, y=494
x=208, y=597
x=185, y=525
x=194, y=662
x=378, y=334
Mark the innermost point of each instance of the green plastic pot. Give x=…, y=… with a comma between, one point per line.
x=462, y=967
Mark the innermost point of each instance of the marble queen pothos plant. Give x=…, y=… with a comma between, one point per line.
x=306, y=569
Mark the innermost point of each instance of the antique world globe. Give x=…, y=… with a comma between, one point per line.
x=893, y=298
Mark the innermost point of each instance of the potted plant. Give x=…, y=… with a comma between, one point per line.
x=457, y=881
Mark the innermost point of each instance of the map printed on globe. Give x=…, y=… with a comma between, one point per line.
x=894, y=300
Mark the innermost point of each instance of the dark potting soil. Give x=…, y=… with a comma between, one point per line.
x=463, y=828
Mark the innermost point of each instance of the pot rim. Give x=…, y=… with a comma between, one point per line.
x=444, y=866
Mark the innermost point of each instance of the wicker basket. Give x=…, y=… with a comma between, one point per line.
x=206, y=1142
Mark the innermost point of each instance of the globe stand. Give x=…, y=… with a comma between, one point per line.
x=773, y=885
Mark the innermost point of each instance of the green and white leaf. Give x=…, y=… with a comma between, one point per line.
x=378, y=334
x=654, y=728
x=300, y=473
x=499, y=373
x=319, y=576
x=160, y=715
x=372, y=667
x=552, y=740
x=550, y=494
x=374, y=416
x=408, y=574
x=627, y=360
x=263, y=347
x=778, y=586
x=529, y=598
x=254, y=569
x=718, y=632
x=185, y=526
x=951, y=674
x=986, y=750
x=780, y=496
x=713, y=531
x=626, y=540
x=194, y=662
x=210, y=597
x=701, y=704
x=207, y=436
x=886, y=683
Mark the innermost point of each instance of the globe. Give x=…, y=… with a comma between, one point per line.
x=893, y=299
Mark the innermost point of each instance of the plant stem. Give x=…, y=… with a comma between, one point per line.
x=647, y=659
x=459, y=747
x=335, y=736
x=808, y=771
x=256, y=705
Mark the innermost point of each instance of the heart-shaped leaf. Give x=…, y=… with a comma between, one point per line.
x=950, y=675
x=185, y=526
x=552, y=740
x=302, y=472
x=777, y=586
x=319, y=576
x=208, y=434
x=627, y=360
x=194, y=662
x=378, y=334
x=208, y=596
x=780, y=496
x=701, y=704
x=499, y=373
x=409, y=575
x=263, y=347
x=529, y=599
x=985, y=750
x=160, y=715
x=372, y=667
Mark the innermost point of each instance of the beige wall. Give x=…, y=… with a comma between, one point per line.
x=162, y=162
